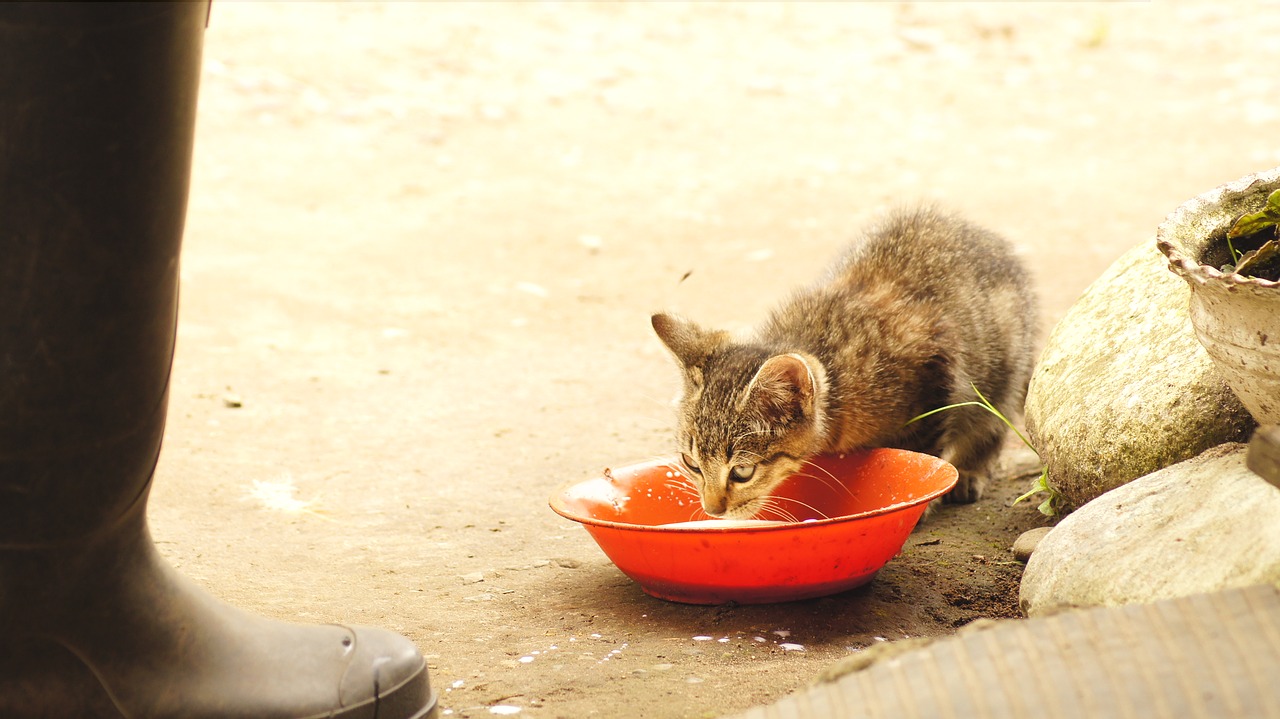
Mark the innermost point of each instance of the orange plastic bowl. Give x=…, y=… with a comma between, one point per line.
x=848, y=527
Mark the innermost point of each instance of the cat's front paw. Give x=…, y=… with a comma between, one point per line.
x=968, y=489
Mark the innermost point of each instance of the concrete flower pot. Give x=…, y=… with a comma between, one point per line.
x=1236, y=318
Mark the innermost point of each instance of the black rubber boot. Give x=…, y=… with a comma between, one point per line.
x=97, y=113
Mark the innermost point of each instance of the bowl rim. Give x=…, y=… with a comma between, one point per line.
x=554, y=501
x=1209, y=206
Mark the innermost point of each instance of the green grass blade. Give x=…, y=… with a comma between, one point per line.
x=1046, y=507
x=932, y=412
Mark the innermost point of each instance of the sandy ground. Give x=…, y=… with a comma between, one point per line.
x=424, y=240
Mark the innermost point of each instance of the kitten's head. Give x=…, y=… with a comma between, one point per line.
x=749, y=417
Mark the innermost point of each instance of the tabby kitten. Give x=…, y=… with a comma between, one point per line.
x=920, y=310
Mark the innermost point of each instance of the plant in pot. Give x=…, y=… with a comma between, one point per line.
x=1224, y=244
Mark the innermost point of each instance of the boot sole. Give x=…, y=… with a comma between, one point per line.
x=412, y=698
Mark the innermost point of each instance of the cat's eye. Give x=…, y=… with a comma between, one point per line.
x=742, y=472
x=692, y=465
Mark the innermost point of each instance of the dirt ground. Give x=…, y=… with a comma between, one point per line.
x=424, y=241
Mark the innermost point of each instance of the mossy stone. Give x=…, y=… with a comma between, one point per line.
x=1123, y=388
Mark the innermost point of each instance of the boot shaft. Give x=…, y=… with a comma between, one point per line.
x=97, y=114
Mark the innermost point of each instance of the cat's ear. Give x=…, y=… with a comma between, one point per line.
x=783, y=390
x=687, y=341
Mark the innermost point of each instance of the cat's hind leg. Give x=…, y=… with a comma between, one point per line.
x=971, y=440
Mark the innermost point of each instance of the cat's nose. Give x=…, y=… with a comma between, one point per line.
x=715, y=506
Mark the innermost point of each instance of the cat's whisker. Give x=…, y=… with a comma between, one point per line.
x=827, y=482
x=829, y=479
x=679, y=481
x=761, y=505
x=810, y=507
x=682, y=489
x=665, y=404
x=820, y=468
x=677, y=472
x=671, y=465
x=771, y=505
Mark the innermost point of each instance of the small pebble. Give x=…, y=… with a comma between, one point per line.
x=1024, y=545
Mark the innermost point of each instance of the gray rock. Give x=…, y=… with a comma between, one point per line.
x=1203, y=525
x=1025, y=545
x=1263, y=458
x=1123, y=388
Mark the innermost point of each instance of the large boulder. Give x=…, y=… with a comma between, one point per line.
x=1123, y=388
x=1202, y=525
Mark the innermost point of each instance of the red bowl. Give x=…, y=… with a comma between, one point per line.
x=852, y=515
